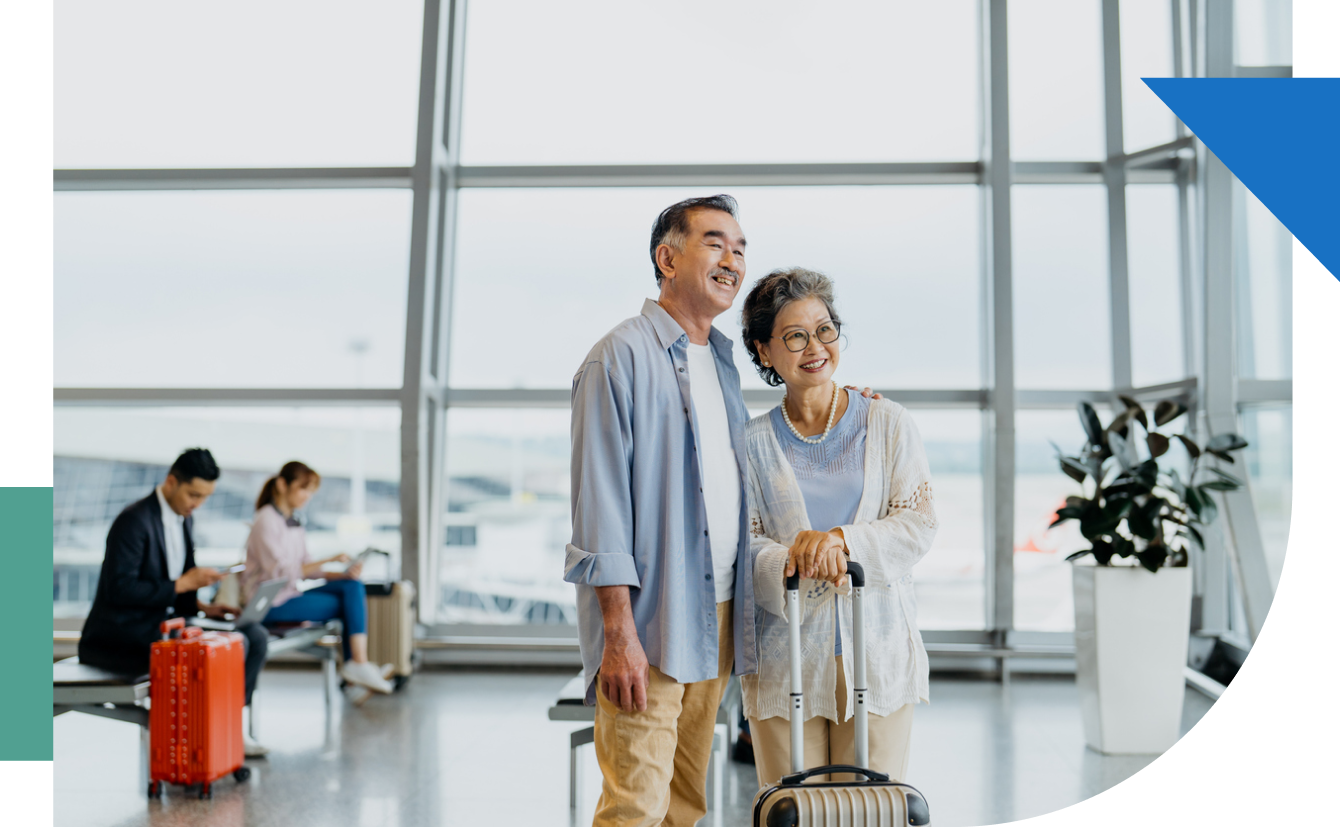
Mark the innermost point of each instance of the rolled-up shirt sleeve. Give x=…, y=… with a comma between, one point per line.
x=601, y=552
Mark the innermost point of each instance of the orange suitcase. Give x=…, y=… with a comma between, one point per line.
x=196, y=693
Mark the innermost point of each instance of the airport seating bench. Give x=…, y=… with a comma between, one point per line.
x=571, y=707
x=81, y=688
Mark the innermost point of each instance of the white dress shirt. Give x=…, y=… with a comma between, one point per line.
x=174, y=533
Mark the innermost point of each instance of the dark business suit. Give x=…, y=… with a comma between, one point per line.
x=135, y=595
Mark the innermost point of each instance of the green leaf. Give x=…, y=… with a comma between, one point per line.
x=1122, y=450
x=1125, y=487
x=1196, y=536
x=1191, y=447
x=1102, y=552
x=1074, y=468
x=1158, y=444
x=1120, y=422
x=1222, y=455
x=1221, y=486
x=1123, y=547
x=1167, y=411
x=1097, y=521
x=1209, y=510
x=1133, y=405
x=1223, y=475
x=1074, y=556
x=1153, y=557
x=1147, y=473
x=1177, y=485
x=1066, y=513
x=1225, y=442
x=1093, y=427
x=1144, y=520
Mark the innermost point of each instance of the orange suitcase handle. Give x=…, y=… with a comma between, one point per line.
x=178, y=624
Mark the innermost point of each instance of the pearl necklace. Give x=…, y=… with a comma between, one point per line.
x=832, y=412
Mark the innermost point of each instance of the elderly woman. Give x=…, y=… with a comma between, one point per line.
x=833, y=477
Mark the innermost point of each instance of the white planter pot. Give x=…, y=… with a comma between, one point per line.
x=1131, y=631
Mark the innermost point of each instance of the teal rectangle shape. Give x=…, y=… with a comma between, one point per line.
x=25, y=612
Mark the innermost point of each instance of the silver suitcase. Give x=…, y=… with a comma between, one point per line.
x=878, y=800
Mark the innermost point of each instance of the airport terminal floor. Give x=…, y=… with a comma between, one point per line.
x=475, y=747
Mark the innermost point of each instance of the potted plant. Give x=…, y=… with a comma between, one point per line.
x=1133, y=608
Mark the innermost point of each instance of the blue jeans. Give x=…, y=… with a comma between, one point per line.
x=342, y=599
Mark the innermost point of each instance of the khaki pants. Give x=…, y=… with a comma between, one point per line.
x=655, y=761
x=829, y=743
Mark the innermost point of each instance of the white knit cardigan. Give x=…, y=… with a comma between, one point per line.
x=893, y=529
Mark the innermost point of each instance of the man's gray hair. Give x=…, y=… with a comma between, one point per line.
x=767, y=298
x=672, y=225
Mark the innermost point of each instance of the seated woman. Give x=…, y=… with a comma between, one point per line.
x=277, y=548
x=833, y=477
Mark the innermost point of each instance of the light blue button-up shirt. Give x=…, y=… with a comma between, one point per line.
x=638, y=517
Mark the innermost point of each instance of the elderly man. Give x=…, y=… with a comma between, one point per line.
x=658, y=522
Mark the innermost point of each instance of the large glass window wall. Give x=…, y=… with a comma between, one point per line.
x=454, y=275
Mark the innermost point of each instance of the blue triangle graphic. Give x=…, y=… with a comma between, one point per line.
x=1281, y=138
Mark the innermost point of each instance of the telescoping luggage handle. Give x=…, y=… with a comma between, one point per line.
x=176, y=628
x=859, y=689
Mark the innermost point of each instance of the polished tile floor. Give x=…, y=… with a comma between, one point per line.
x=476, y=748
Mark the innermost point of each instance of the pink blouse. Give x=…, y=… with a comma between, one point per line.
x=274, y=550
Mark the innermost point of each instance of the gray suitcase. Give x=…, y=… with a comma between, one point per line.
x=878, y=800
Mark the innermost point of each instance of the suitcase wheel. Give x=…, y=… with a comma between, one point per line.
x=784, y=812
x=400, y=682
x=155, y=790
x=206, y=791
x=242, y=774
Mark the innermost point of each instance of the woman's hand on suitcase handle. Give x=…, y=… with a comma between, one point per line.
x=819, y=555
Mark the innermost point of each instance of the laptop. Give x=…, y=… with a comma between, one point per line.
x=252, y=613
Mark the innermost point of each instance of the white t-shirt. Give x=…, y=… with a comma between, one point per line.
x=721, y=474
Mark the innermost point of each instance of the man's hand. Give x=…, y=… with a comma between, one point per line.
x=818, y=555
x=624, y=672
x=197, y=577
x=219, y=610
x=866, y=392
x=353, y=571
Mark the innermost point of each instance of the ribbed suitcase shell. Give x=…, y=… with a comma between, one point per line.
x=874, y=799
x=870, y=803
x=196, y=691
x=391, y=628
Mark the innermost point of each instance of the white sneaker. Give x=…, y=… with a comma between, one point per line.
x=253, y=749
x=366, y=674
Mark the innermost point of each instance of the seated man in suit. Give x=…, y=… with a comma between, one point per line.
x=149, y=575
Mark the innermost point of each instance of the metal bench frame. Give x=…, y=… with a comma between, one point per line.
x=569, y=708
x=128, y=701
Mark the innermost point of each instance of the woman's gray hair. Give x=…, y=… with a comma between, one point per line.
x=767, y=298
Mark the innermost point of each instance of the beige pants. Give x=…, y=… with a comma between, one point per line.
x=655, y=761
x=829, y=743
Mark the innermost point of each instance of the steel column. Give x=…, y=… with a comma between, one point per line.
x=1220, y=403
x=999, y=434
x=1114, y=176
x=421, y=414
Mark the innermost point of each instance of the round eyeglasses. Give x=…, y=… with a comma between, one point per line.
x=797, y=341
